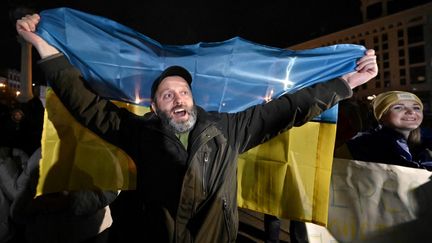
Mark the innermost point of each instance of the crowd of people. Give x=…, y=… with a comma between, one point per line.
x=177, y=135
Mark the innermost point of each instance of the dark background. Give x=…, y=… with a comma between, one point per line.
x=274, y=23
x=279, y=23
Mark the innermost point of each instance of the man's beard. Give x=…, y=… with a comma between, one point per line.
x=182, y=126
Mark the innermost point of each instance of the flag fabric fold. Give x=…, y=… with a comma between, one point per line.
x=120, y=64
x=375, y=202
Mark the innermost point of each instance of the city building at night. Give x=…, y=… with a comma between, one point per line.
x=10, y=84
x=403, y=43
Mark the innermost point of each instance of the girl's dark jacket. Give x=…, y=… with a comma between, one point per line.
x=385, y=145
x=185, y=195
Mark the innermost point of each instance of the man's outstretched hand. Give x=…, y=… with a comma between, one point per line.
x=366, y=69
x=26, y=27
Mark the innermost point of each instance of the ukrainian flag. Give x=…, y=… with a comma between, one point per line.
x=288, y=176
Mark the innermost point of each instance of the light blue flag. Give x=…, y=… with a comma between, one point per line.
x=228, y=76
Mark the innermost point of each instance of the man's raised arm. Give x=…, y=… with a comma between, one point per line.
x=26, y=27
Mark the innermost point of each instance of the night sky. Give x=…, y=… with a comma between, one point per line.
x=273, y=22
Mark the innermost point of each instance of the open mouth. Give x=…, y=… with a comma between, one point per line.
x=179, y=112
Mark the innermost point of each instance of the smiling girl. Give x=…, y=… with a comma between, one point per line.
x=398, y=138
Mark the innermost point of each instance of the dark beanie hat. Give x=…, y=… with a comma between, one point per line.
x=171, y=71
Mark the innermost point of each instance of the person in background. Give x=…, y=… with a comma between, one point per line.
x=271, y=228
x=66, y=217
x=15, y=129
x=398, y=139
x=349, y=121
x=297, y=230
x=70, y=217
x=186, y=157
x=22, y=129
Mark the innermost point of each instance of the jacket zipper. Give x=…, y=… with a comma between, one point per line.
x=227, y=217
x=204, y=177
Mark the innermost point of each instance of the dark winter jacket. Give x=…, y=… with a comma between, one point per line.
x=6, y=229
x=187, y=195
x=385, y=145
x=13, y=180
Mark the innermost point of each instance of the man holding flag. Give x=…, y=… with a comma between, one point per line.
x=186, y=157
